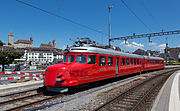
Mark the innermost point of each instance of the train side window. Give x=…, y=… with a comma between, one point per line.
x=148, y=61
x=65, y=58
x=122, y=61
x=71, y=58
x=110, y=61
x=127, y=61
x=91, y=59
x=134, y=61
x=131, y=61
x=137, y=61
x=102, y=60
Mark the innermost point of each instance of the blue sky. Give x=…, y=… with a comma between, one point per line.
x=25, y=21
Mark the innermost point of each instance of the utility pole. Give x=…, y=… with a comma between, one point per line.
x=109, y=26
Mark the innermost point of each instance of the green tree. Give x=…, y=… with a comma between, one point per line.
x=9, y=43
x=1, y=43
x=8, y=57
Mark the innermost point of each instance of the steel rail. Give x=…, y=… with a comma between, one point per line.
x=21, y=98
x=34, y=103
x=148, y=92
x=129, y=90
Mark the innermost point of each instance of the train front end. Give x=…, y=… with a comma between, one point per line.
x=57, y=77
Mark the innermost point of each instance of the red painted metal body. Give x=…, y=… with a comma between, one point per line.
x=72, y=73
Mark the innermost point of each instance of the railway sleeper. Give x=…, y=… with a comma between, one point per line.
x=126, y=102
x=119, y=109
x=130, y=100
x=121, y=106
x=134, y=97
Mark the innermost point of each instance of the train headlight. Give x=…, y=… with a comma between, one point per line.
x=58, y=79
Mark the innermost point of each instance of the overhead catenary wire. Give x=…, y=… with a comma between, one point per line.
x=135, y=15
x=151, y=15
x=61, y=17
x=84, y=12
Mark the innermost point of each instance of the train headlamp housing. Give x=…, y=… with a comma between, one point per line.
x=59, y=75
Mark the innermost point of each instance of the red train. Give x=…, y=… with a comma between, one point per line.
x=87, y=64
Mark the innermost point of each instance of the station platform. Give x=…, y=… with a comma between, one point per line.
x=172, y=66
x=11, y=88
x=168, y=98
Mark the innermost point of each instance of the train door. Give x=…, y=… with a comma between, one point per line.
x=117, y=65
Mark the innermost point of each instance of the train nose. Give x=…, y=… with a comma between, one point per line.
x=56, y=77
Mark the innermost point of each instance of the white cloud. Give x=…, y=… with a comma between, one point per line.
x=152, y=44
x=132, y=45
x=161, y=47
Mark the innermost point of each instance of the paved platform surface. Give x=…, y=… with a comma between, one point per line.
x=7, y=89
x=168, y=98
x=171, y=66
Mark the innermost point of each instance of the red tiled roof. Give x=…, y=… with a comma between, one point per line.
x=23, y=41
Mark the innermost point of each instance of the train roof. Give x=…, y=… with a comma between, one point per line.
x=89, y=49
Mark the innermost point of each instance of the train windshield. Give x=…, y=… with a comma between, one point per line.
x=81, y=59
x=65, y=58
x=71, y=58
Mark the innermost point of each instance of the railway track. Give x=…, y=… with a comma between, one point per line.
x=27, y=101
x=138, y=97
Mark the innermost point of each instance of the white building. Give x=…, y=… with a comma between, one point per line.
x=39, y=56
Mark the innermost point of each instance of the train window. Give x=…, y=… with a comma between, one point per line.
x=122, y=61
x=127, y=61
x=137, y=61
x=65, y=58
x=81, y=59
x=71, y=58
x=148, y=61
x=134, y=61
x=102, y=60
x=131, y=61
x=110, y=61
x=91, y=59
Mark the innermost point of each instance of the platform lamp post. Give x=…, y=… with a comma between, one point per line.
x=109, y=27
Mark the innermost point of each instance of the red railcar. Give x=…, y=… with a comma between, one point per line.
x=88, y=64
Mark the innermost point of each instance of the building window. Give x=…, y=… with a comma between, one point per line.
x=102, y=60
x=91, y=59
x=122, y=61
x=110, y=61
